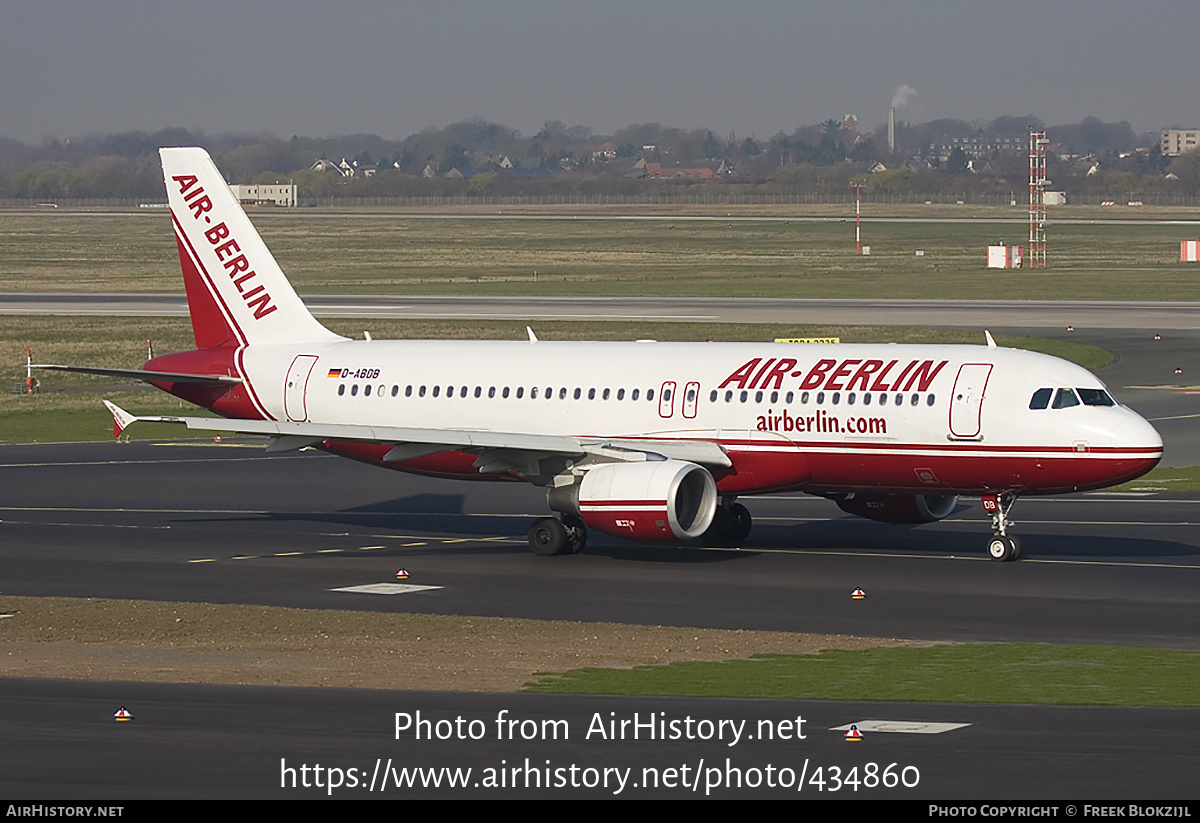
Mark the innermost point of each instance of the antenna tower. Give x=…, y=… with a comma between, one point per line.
x=1037, y=199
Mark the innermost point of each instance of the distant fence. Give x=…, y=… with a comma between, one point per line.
x=690, y=198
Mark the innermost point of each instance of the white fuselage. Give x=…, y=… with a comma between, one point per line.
x=826, y=417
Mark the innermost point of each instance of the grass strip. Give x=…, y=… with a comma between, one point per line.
x=1181, y=479
x=1027, y=673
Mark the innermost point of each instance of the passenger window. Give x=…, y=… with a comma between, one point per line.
x=354, y=390
x=367, y=390
x=395, y=391
x=633, y=395
x=620, y=394
x=929, y=401
x=1065, y=398
x=758, y=397
x=712, y=396
x=421, y=393
x=804, y=398
x=1040, y=399
x=837, y=397
x=341, y=389
x=649, y=394
x=850, y=398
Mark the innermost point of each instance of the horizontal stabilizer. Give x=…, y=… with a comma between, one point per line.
x=149, y=376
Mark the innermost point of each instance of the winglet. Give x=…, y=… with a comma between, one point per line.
x=532, y=336
x=991, y=343
x=121, y=418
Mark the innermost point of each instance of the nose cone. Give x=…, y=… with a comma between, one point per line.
x=1138, y=446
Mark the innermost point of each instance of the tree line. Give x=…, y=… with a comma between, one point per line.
x=1090, y=157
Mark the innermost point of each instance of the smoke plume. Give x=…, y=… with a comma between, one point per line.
x=902, y=95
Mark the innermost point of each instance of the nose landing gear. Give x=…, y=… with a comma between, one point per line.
x=1003, y=546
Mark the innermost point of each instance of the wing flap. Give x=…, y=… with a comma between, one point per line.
x=411, y=442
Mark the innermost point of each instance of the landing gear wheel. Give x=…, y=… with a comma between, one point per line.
x=742, y=523
x=1004, y=548
x=576, y=533
x=548, y=537
x=730, y=526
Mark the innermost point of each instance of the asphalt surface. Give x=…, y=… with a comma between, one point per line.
x=978, y=314
x=252, y=742
x=227, y=524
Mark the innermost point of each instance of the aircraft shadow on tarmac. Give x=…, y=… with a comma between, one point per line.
x=443, y=516
x=854, y=534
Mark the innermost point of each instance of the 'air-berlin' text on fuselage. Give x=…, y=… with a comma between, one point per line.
x=836, y=375
x=237, y=266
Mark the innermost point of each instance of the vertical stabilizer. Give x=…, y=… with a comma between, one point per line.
x=237, y=294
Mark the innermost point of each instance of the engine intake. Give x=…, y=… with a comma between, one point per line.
x=655, y=500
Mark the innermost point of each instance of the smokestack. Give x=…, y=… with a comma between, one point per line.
x=892, y=130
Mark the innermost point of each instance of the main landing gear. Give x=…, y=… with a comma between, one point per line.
x=1003, y=546
x=731, y=524
x=550, y=536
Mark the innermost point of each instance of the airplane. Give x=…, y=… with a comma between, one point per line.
x=643, y=440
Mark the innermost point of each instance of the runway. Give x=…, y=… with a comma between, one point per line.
x=979, y=314
x=228, y=525
x=189, y=742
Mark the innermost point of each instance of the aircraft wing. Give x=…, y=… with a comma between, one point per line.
x=148, y=376
x=505, y=449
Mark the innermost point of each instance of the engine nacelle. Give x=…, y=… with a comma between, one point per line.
x=899, y=508
x=655, y=500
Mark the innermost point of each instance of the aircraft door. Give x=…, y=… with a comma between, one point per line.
x=296, y=386
x=966, y=401
x=666, y=399
x=691, y=395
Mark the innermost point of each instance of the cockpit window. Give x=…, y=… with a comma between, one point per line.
x=1065, y=398
x=1096, y=397
x=1041, y=399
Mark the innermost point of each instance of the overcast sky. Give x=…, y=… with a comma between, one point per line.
x=392, y=68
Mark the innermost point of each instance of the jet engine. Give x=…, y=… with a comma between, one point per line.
x=899, y=508
x=654, y=500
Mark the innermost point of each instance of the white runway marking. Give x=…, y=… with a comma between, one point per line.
x=901, y=727
x=385, y=588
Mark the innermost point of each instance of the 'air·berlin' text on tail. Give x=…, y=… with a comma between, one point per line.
x=236, y=292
